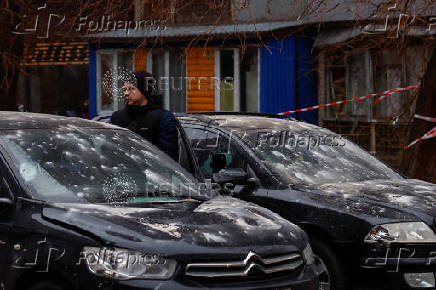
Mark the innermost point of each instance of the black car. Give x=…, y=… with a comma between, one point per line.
x=368, y=225
x=88, y=205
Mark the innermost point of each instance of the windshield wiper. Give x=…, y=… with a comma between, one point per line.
x=157, y=197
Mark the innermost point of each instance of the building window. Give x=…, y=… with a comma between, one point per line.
x=177, y=80
x=371, y=72
x=250, y=80
x=388, y=72
x=349, y=78
x=227, y=71
x=112, y=66
x=158, y=70
x=394, y=69
x=336, y=75
x=168, y=68
x=227, y=81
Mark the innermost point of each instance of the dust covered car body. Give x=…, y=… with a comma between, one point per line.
x=367, y=224
x=88, y=205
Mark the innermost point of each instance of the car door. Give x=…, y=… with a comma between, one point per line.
x=207, y=142
x=186, y=154
x=7, y=209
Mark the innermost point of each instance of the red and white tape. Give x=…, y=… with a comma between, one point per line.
x=382, y=94
x=429, y=119
x=430, y=134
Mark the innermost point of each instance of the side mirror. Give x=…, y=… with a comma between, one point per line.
x=234, y=176
x=252, y=184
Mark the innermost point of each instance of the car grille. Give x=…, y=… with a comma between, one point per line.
x=252, y=264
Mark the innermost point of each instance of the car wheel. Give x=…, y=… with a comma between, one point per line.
x=49, y=284
x=330, y=271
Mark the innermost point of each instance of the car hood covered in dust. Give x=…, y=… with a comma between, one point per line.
x=221, y=222
x=410, y=196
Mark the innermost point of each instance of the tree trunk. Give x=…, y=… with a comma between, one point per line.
x=419, y=161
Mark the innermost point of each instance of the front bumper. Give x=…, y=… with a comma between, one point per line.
x=400, y=266
x=305, y=280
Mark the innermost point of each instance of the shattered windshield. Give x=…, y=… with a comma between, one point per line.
x=304, y=154
x=95, y=166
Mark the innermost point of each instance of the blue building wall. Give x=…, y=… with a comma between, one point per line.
x=307, y=81
x=288, y=80
x=277, y=76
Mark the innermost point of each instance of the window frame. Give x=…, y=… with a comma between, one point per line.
x=201, y=128
x=253, y=164
x=166, y=57
x=352, y=112
x=236, y=78
x=17, y=186
x=114, y=53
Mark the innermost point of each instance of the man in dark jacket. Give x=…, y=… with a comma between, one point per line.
x=144, y=115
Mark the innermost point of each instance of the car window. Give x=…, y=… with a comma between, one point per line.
x=303, y=154
x=207, y=142
x=93, y=165
x=184, y=158
x=4, y=188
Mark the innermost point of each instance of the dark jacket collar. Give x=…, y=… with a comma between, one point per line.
x=154, y=102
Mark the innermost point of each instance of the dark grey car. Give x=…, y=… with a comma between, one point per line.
x=87, y=205
x=368, y=225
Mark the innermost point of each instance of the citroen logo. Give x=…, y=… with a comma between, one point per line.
x=251, y=261
x=251, y=255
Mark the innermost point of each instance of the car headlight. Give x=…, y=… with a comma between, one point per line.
x=123, y=264
x=308, y=255
x=409, y=232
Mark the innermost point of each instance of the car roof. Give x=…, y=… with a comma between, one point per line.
x=25, y=120
x=244, y=122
